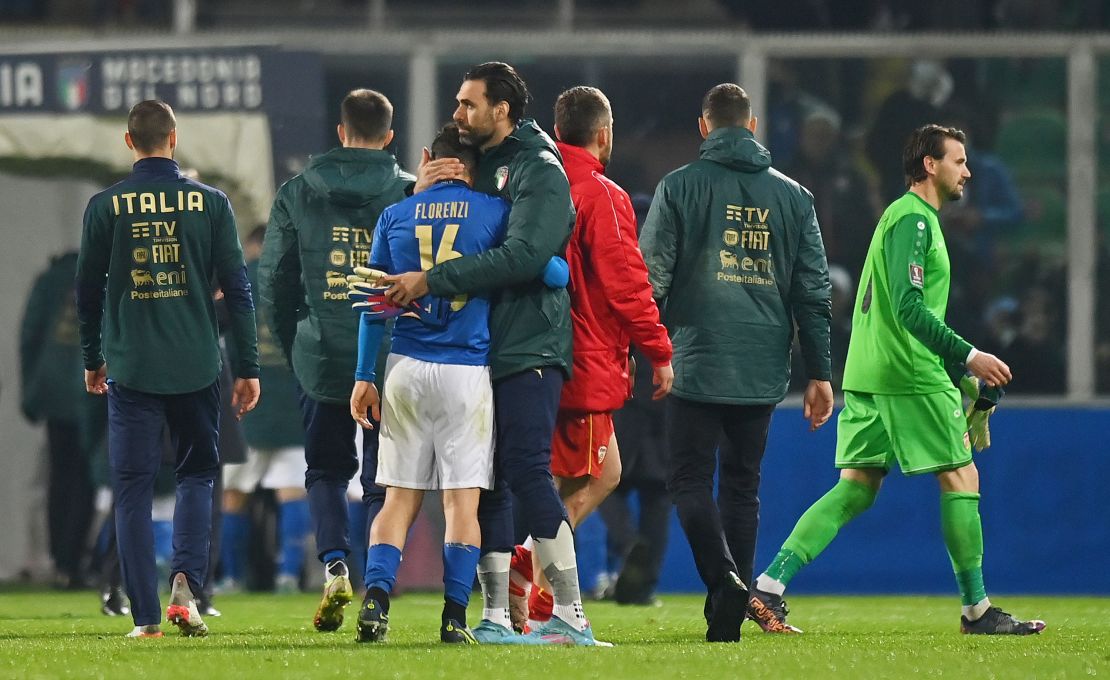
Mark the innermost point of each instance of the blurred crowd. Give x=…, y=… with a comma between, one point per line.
x=833, y=127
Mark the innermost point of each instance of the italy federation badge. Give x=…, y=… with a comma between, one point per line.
x=501, y=177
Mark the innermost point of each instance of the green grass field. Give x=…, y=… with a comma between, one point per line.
x=55, y=634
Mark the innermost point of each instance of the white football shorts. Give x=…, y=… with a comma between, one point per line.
x=437, y=426
x=282, y=468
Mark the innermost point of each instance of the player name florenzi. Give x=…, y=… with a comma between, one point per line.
x=158, y=202
x=445, y=210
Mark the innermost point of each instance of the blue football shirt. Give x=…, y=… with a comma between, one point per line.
x=446, y=221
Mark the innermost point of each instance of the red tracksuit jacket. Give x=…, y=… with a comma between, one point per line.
x=610, y=296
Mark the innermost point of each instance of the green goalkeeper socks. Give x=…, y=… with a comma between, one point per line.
x=819, y=526
x=963, y=536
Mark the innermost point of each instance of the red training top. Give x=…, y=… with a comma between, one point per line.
x=610, y=295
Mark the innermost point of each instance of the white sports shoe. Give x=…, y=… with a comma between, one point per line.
x=182, y=610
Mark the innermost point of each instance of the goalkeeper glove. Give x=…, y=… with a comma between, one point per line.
x=367, y=275
x=983, y=400
x=367, y=294
x=556, y=274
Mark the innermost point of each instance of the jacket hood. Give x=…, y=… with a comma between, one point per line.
x=352, y=177
x=736, y=148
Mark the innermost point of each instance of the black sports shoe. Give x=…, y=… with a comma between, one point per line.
x=373, y=621
x=454, y=633
x=997, y=622
x=728, y=605
x=113, y=602
x=769, y=612
x=636, y=582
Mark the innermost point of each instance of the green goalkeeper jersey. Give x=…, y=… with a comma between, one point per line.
x=900, y=343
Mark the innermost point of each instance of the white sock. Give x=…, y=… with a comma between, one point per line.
x=528, y=544
x=974, y=612
x=769, y=585
x=493, y=575
x=561, y=569
x=498, y=616
x=335, y=568
x=572, y=614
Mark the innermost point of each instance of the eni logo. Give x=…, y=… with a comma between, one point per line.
x=728, y=260
x=141, y=277
x=336, y=280
x=731, y=237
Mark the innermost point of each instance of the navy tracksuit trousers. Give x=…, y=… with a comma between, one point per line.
x=332, y=462
x=135, y=445
x=525, y=405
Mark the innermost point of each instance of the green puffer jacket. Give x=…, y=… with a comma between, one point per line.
x=735, y=258
x=529, y=322
x=276, y=422
x=49, y=347
x=321, y=224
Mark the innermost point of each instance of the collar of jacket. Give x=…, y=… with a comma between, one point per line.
x=577, y=159
x=526, y=134
x=353, y=153
x=736, y=148
x=156, y=166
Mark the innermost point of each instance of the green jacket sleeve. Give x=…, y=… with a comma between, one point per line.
x=227, y=255
x=660, y=241
x=92, y=278
x=905, y=249
x=540, y=223
x=279, y=274
x=811, y=300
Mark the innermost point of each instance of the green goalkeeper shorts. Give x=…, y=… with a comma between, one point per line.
x=923, y=432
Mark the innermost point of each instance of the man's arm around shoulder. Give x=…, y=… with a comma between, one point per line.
x=540, y=222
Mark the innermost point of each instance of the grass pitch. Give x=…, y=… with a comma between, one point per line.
x=54, y=634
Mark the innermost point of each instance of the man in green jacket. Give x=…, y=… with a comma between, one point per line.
x=151, y=247
x=735, y=258
x=321, y=225
x=53, y=391
x=530, y=340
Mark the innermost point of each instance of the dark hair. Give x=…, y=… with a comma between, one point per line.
x=366, y=115
x=150, y=123
x=579, y=113
x=448, y=145
x=927, y=140
x=503, y=84
x=726, y=105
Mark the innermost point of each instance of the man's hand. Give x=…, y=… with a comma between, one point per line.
x=365, y=396
x=631, y=375
x=96, y=382
x=405, y=287
x=818, y=403
x=990, y=369
x=244, y=396
x=438, y=170
x=663, y=379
